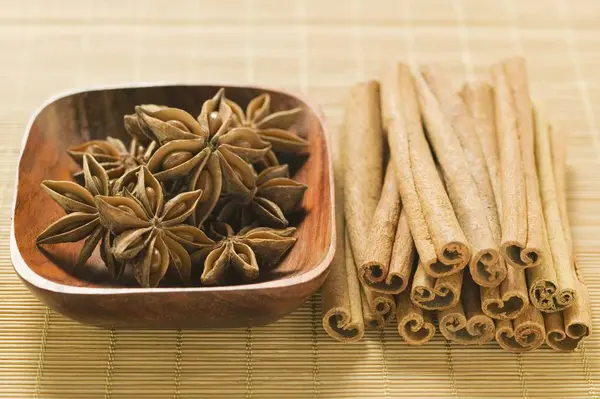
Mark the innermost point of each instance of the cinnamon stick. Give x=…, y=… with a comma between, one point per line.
x=523, y=334
x=341, y=303
x=558, y=147
x=522, y=236
x=432, y=293
x=374, y=272
x=363, y=158
x=511, y=298
x=554, y=286
x=415, y=325
x=451, y=133
x=466, y=323
x=564, y=330
x=378, y=309
x=439, y=239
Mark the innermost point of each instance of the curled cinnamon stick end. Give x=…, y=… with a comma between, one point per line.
x=509, y=300
x=523, y=334
x=465, y=323
x=439, y=239
x=415, y=325
x=557, y=271
x=521, y=209
x=342, y=307
x=452, y=135
x=341, y=303
x=363, y=162
x=378, y=309
x=567, y=328
x=374, y=272
x=432, y=293
x=564, y=330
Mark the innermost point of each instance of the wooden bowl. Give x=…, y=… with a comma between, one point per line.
x=90, y=295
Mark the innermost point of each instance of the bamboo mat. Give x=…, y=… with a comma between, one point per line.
x=319, y=47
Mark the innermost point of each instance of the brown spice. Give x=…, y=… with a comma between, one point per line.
x=415, y=325
x=440, y=242
x=522, y=218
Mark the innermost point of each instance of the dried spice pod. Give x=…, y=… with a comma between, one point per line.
x=236, y=258
x=132, y=125
x=271, y=127
x=378, y=309
x=415, y=325
x=466, y=323
x=432, y=293
x=145, y=226
x=167, y=124
x=82, y=220
x=112, y=154
x=553, y=285
x=523, y=334
x=451, y=133
x=275, y=197
x=439, y=239
x=522, y=236
x=510, y=299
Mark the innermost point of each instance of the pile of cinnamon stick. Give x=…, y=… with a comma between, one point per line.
x=451, y=207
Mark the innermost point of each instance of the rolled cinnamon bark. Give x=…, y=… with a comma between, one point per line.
x=378, y=309
x=432, y=293
x=451, y=133
x=341, y=303
x=558, y=147
x=564, y=330
x=466, y=323
x=374, y=272
x=439, y=239
x=511, y=298
x=415, y=325
x=554, y=286
x=523, y=334
x=363, y=159
x=479, y=98
x=522, y=218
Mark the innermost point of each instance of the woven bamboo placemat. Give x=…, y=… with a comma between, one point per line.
x=319, y=47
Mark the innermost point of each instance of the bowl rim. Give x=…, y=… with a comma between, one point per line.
x=28, y=275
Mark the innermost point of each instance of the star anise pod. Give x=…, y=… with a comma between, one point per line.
x=82, y=220
x=236, y=258
x=150, y=233
x=212, y=157
x=112, y=154
x=271, y=127
x=275, y=197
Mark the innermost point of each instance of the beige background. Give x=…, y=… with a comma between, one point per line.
x=319, y=47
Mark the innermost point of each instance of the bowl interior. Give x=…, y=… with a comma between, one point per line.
x=97, y=114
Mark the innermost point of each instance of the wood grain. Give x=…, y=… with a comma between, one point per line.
x=90, y=296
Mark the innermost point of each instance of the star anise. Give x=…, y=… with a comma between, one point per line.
x=271, y=127
x=214, y=158
x=82, y=220
x=112, y=154
x=236, y=258
x=275, y=197
x=150, y=234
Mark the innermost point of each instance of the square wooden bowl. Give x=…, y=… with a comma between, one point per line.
x=90, y=296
